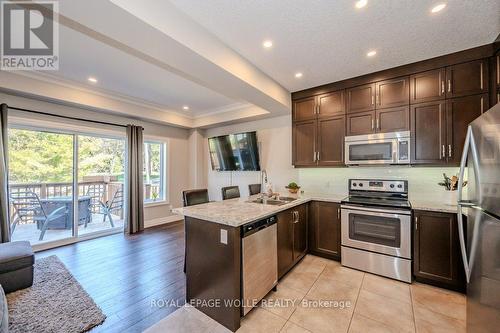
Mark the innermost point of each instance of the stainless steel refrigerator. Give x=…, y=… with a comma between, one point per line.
x=480, y=238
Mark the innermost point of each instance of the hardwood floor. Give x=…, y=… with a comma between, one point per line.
x=127, y=275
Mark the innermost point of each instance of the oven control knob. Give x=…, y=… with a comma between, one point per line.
x=360, y=184
x=400, y=186
x=392, y=185
x=354, y=184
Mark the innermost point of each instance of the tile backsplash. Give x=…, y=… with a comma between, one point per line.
x=422, y=181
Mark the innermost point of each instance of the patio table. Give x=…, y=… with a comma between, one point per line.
x=66, y=221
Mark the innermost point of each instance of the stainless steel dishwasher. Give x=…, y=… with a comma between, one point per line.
x=259, y=261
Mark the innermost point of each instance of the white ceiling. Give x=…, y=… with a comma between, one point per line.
x=124, y=74
x=328, y=40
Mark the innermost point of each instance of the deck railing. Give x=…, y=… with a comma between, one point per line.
x=100, y=190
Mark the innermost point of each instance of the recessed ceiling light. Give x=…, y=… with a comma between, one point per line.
x=371, y=53
x=361, y=3
x=298, y=75
x=267, y=44
x=92, y=79
x=438, y=8
x=185, y=107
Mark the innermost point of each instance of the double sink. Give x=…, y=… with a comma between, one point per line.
x=275, y=202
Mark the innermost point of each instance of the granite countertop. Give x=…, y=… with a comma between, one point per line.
x=236, y=212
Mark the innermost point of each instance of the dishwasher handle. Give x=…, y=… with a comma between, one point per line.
x=253, y=227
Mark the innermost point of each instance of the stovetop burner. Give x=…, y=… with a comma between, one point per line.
x=378, y=193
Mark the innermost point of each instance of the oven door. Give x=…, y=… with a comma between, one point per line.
x=380, y=151
x=377, y=230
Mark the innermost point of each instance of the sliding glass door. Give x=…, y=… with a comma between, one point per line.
x=43, y=167
x=101, y=172
x=41, y=185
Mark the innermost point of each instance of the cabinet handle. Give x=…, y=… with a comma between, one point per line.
x=442, y=87
x=449, y=150
x=338, y=213
x=378, y=99
x=482, y=104
x=416, y=223
x=314, y=156
x=443, y=151
x=372, y=101
x=318, y=109
x=296, y=217
x=449, y=85
x=481, y=74
x=378, y=123
x=373, y=125
x=317, y=156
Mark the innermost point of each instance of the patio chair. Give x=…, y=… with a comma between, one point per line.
x=26, y=205
x=106, y=208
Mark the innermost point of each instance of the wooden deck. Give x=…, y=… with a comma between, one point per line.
x=29, y=232
x=127, y=275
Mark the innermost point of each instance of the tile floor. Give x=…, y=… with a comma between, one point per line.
x=320, y=295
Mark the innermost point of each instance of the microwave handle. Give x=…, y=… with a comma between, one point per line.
x=395, y=152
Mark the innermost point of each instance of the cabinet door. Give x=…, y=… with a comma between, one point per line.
x=304, y=109
x=331, y=140
x=428, y=132
x=467, y=79
x=361, y=123
x=304, y=143
x=393, y=119
x=393, y=92
x=285, y=241
x=300, y=232
x=428, y=86
x=436, y=248
x=361, y=98
x=324, y=229
x=460, y=112
x=331, y=104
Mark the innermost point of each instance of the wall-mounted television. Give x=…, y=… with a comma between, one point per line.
x=234, y=152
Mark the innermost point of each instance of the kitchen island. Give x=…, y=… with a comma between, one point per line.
x=214, y=251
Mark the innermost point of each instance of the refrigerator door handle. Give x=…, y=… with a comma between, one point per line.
x=461, y=238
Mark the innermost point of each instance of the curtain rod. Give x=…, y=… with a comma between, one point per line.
x=65, y=117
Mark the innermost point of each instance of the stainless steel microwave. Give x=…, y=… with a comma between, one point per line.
x=380, y=148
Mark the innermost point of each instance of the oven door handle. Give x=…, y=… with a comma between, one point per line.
x=376, y=212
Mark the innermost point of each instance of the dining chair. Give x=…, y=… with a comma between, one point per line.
x=254, y=189
x=194, y=197
x=230, y=192
x=27, y=205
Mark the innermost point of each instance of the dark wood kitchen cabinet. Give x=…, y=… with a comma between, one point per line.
x=392, y=119
x=319, y=141
x=292, y=237
x=460, y=112
x=304, y=139
x=331, y=104
x=304, y=109
x=361, y=98
x=467, y=79
x=331, y=132
x=428, y=132
x=437, y=256
x=392, y=93
x=360, y=123
x=428, y=86
x=324, y=229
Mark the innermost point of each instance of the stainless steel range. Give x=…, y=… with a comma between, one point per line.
x=376, y=228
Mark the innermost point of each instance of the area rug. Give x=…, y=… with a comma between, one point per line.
x=55, y=303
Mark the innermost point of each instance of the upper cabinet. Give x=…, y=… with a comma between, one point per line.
x=304, y=109
x=361, y=98
x=467, y=79
x=331, y=104
x=428, y=86
x=392, y=93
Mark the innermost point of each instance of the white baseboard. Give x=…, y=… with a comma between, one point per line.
x=162, y=220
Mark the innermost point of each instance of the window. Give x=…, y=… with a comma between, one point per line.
x=154, y=171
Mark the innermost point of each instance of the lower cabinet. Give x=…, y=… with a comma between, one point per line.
x=437, y=258
x=292, y=237
x=324, y=229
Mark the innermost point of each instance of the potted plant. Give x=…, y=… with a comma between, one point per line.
x=293, y=187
